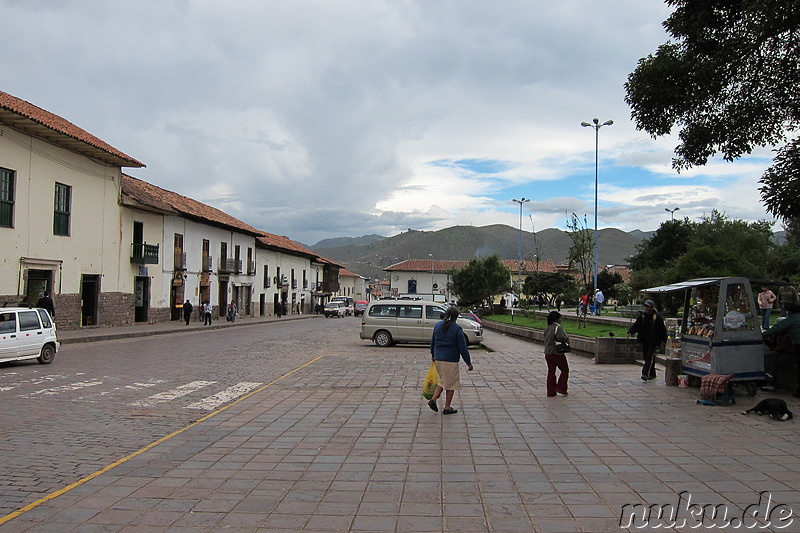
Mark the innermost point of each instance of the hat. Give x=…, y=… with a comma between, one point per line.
x=649, y=303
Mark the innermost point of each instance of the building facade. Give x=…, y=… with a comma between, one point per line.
x=115, y=250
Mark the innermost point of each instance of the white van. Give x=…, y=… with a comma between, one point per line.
x=27, y=334
x=348, y=303
x=405, y=320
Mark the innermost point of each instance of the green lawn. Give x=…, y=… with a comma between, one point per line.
x=570, y=326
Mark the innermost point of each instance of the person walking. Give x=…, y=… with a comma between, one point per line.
x=583, y=305
x=207, y=313
x=599, y=300
x=790, y=327
x=232, y=310
x=765, y=300
x=787, y=297
x=555, y=360
x=650, y=332
x=187, y=311
x=448, y=347
x=45, y=302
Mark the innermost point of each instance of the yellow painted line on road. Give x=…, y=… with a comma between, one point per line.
x=127, y=458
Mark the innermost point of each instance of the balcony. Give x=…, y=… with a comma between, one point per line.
x=230, y=266
x=251, y=268
x=144, y=254
x=180, y=260
x=208, y=263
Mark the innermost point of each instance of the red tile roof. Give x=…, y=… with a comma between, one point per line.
x=424, y=265
x=139, y=193
x=270, y=240
x=35, y=121
x=136, y=192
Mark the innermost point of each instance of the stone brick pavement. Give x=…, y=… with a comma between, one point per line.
x=347, y=444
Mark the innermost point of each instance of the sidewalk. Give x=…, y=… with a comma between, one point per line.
x=346, y=443
x=100, y=333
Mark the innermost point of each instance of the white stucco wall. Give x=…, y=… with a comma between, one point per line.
x=399, y=280
x=93, y=246
x=275, y=262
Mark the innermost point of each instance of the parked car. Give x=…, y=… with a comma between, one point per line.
x=348, y=304
x=404, y=320
x=27, y=334
x=337, y=309
x=360, y=307
x=471, y=316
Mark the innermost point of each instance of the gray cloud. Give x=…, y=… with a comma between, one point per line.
x=301, y=118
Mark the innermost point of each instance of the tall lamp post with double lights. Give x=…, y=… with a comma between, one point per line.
x=596, y=125
x=519, y=274
x=672, y=212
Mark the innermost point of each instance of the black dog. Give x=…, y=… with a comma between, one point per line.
x=774, y=407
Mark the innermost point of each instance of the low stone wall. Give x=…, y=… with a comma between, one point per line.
x=603, y=350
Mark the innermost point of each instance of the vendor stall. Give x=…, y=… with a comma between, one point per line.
x=720, y=332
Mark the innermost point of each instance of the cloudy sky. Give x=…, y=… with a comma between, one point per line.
x=329, y=118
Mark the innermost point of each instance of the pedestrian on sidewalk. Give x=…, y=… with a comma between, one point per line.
x=791, y=328
x=448, y=347
x=650, y=332
x=45, y=302
x=187, y=311
x=232, y=310
x=555, y=360
x=765, y=300
x=207, y=313
x=599, y=300
x=787, y=297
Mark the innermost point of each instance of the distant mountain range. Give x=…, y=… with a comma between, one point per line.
x=370, y=254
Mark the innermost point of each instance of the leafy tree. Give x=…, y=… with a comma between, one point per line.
x=550, y=285
x=648, y=277
x=667, y=244
x=581, y=253
x=729, y=81
x=723, y=247
x=784, y=261
x=480, y=280
x=624, y=293
x=607, y=282
x=780, y=187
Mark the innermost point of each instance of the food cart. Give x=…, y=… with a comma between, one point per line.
x=720, y=332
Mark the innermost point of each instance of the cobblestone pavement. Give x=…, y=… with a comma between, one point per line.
x=346, y=443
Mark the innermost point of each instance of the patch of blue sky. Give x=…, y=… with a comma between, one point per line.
x=476, y=166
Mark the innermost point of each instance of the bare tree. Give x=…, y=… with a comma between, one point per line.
x=581, y=253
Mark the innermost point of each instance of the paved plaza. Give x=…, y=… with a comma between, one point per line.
x=346, y=443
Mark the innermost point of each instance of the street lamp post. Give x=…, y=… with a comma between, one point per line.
x=596, y=125
x=519, y=274
x=672, y=212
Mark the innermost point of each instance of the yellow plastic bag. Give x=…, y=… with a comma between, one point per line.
x=431, y=381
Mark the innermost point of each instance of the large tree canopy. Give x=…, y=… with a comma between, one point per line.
x=480, y=280
x=729, y=82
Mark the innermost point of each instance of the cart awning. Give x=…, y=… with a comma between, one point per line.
x=683, y=285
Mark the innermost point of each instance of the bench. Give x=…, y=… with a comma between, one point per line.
x=630, y=311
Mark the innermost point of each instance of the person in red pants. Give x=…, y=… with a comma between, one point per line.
x=555, y=360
